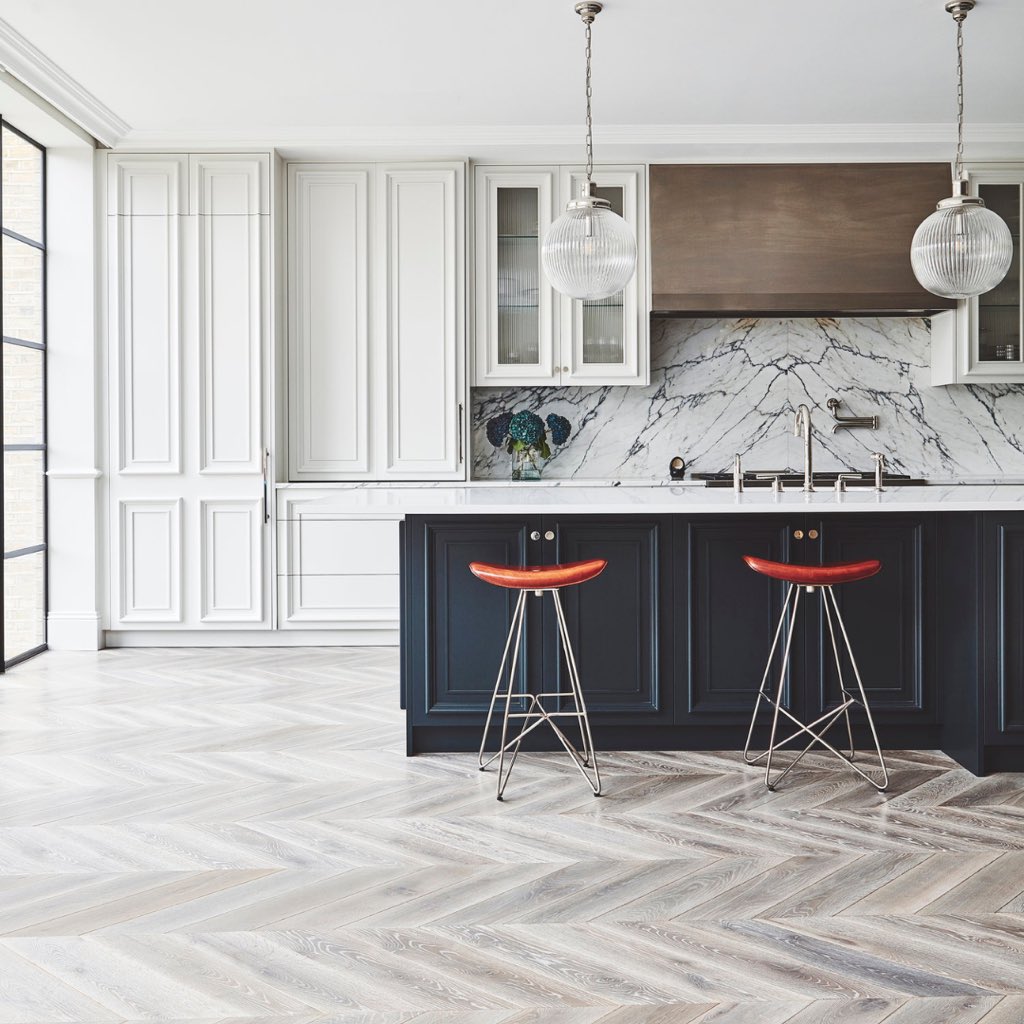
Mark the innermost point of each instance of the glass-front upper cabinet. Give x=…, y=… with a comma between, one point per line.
x=986, y=345
x=515, y=307
x=606, y=341
x=526, y=332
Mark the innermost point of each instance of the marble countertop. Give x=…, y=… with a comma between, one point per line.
x=588, y=499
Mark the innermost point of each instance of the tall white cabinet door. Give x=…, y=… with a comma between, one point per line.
x=328, y=322
x=516, y=324
x=189, y=315
x=607, y=341
x=420, y=281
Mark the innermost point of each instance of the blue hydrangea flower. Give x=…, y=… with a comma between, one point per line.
x=527, y=427
x=497, y=428
x=560, y=428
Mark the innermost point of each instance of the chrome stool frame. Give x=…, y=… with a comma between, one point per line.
x=825, y=722
x=535, y=713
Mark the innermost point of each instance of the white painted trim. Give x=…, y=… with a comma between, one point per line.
x=74, y=631
x=57, y=87
x=236, y=638
x=459, y=138
x=74, y=474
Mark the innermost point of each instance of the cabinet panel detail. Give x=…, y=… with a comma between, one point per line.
x=229, y=184
x=884, y=615
x=231, y=559
x=732, y=614
x=467, y=619
x=147, y=185
x=360, y=600
x=329, y=391
x=1009, y=627
x=149, y=557
x=333, y=547
x=230, y=266
x=421, y=247
x=146, y=315
x=614, y=620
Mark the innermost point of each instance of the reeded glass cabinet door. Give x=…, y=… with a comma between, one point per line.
x=515, y=314
x=991, y=333
x=605, y=341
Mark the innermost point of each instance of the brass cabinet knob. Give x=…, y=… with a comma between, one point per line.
x=535, y=535
x=799, y=534
x=549, y=535
x=813, y=534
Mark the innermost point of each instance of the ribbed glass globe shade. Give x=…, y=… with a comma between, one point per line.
x=589, y=253
x=961, y=251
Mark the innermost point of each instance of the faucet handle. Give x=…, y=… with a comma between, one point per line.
x=879, y=458
x=737, y=473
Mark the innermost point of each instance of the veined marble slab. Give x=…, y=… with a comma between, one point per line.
x=719, y=387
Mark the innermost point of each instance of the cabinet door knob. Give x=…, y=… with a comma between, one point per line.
x=535, y=535
x=799, y=534
x=549, y=534
x=813, y=534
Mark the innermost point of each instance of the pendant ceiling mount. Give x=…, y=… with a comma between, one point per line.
x=963, y=249
x=590, y=251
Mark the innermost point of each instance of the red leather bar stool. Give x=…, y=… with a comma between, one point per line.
x=810, y=578
x=539, y=578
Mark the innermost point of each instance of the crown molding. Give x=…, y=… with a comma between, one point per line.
x=652, y=142
x=35, y=70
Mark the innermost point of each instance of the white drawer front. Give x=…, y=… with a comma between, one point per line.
x=358, y=600
x=326, y=547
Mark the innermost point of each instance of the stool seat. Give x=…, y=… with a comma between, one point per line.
x=814, y=575
x=538, y=577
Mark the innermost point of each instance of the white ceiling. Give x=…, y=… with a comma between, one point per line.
x=261, y=67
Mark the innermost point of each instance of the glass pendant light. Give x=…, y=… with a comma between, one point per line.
x=589, y=252
x=963, y=249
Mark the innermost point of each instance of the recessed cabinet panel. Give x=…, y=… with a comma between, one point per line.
x=230, y=268
x=146, y=325
x=1004, y=640
x=885, y=616
x=231, y=549
x=617, y=621
x=147, y=185
x=731, y=615
x=420, y=245
x=329, y=342
x=149, y=561
x=230, y=185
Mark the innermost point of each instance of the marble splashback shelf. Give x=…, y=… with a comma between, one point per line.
x=724, y=386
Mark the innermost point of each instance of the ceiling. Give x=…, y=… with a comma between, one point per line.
x=259, y=67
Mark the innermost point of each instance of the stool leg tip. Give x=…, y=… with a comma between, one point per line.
x=501, y=798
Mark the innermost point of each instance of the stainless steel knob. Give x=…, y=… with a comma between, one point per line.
x=535, y=535
x=813, y=534
x=549, y=535
x=799, y=534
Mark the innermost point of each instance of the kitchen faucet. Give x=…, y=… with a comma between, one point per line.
x=802, y=428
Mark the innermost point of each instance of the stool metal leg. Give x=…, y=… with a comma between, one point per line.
x=884, y=784
x=535, y=713
x=817, y=729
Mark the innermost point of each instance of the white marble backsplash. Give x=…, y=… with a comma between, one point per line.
x=724, y=386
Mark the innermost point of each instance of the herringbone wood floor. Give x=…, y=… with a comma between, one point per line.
x=237, y=836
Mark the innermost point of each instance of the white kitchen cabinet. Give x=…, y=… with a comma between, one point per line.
x=337, y=571
x=981, y=341
x=376, y=338
x=527, y=333
x=188, y=312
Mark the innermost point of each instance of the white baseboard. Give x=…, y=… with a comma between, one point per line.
x=251, y=638
x=73, y=631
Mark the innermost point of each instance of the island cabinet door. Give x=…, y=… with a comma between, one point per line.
x=620, y=623
x=1003, y=612
x=725, y=616
x=455, y=625
x=887, y=618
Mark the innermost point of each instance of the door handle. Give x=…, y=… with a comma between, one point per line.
x=535, y=535
x=461, y=442
x=812, y=534
x=266, y=486
x=798, y=534
x=549, y=535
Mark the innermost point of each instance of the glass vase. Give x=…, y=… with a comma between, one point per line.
x=526, y=464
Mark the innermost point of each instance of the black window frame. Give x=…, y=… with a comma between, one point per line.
x=5, y=339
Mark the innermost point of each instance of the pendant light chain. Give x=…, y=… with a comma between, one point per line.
x=959, y=164
x=590, y=121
